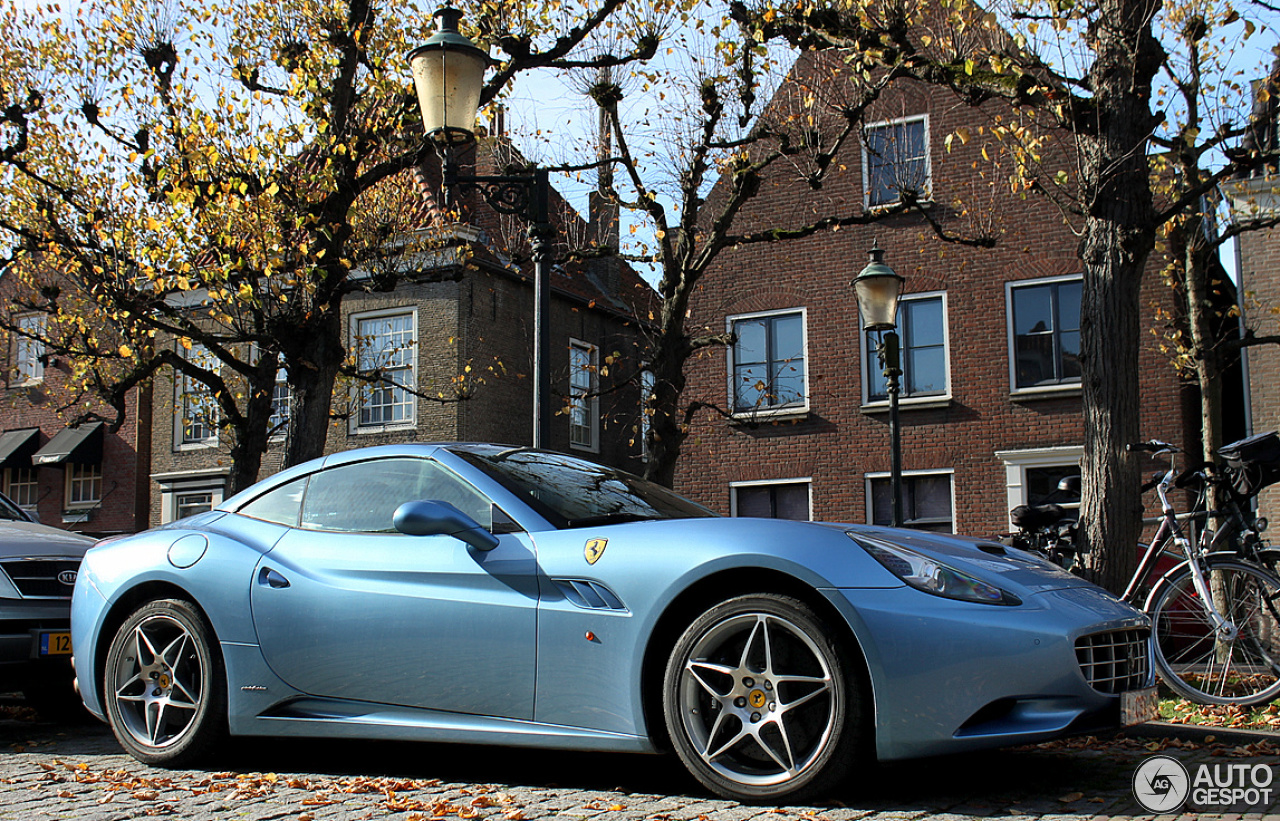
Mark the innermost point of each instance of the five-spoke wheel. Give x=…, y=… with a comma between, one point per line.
x=761, y=700
x=164, y=687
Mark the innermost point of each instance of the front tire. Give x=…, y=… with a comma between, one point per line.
x=762, y=700
x=164, y=686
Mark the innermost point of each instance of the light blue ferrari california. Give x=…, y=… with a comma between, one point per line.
x=477, y=593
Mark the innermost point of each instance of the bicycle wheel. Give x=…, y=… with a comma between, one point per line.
x=1241, y=667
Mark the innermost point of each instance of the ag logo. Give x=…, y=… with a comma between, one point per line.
x=1161, y=784
x=594, y=550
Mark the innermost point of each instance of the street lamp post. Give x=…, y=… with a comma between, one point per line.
x=877, y=289
x=448, y=72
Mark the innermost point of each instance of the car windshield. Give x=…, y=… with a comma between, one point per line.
x=10, y=512
x=570, y=492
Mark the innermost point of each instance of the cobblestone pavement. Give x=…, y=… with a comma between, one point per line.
x=79, y=772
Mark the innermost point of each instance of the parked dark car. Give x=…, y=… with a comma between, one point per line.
x=38, y=567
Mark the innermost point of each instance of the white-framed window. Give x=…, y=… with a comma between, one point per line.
x=768, y=362
x=584, y=403
x=647, y=384
x=188, y=493
x=1032, y=475
x=28, y=353
x=1044, y=333
x=387, y=342
x=189, y=504
x=895, y=158
x=197, y=422
x=22, y=486
x=924, y=349
x=84, y=485
x=772, y=499
x=928, y=500
x=278, y=424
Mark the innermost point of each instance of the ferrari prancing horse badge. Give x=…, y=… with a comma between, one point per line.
x=594, y=550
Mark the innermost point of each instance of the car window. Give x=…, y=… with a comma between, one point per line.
x=281, y=505
x=363, y=497
x=571, y=492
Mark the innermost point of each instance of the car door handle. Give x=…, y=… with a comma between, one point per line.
x=272, y=579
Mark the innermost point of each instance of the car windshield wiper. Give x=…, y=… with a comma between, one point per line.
x=611, y=519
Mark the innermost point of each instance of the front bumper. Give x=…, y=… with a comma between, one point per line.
x=950, y=676
x=31, y=643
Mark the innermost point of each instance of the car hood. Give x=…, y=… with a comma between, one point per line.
x=832, y=554
x=27, y=539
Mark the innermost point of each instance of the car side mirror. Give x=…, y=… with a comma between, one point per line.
x=427, y=518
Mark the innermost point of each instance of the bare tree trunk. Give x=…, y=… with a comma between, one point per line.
x=312, y=357
x=1119, y=235
x=253, y=435
x=1206, y=349
x=1111, y=508
x=667, y=427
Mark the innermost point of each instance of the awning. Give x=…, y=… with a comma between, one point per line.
x=82, y=445
x=16, y=447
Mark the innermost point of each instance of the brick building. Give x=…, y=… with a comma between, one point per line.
x=1258, y=274
x=475, y=329
x=991, y=399
x=86, y=478
x=1258, y=270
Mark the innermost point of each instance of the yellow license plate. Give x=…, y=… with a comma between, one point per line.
x=55, y=643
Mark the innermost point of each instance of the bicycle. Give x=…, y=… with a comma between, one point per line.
x=1215, y=615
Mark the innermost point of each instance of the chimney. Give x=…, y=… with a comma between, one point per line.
x=602, y=211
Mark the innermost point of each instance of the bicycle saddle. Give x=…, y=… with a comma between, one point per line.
x=1032, y=517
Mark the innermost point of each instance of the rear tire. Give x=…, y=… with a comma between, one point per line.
x=763, y=701
x=164, y=687
x=1242, y=669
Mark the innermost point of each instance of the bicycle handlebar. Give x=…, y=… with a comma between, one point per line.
x=1152, y=446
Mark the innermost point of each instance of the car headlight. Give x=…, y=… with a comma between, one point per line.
x=932, y=576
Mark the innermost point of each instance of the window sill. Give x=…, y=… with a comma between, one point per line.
x=920, y=403
x=32, y=385
x=361, y=430
x=885, y=208
x=762, y=416
x=204, y=445
x=1046, y=392
x=79, y=516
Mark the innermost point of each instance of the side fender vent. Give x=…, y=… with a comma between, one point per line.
x=589, y=595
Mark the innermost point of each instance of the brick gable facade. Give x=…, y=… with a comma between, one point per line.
x=975, y=439
x=38, y=410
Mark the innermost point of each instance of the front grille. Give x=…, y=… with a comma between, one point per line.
x=38, y=578
x=1115, y=662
